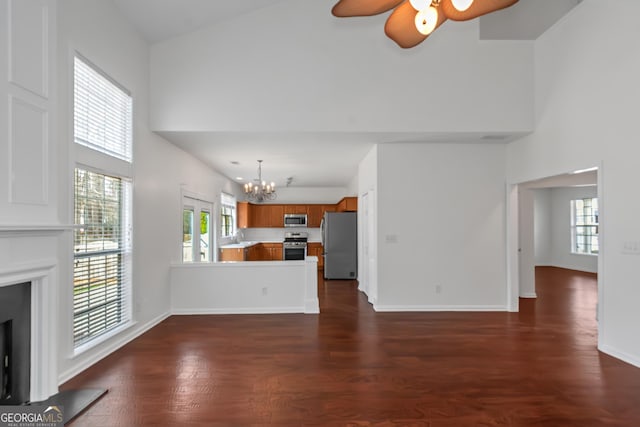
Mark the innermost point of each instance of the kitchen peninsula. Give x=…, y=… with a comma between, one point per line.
x=262, y=282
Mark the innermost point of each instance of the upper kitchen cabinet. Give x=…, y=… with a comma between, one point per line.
x=348, y=204
x=314, y=215
x=242, y=214
x=295, y=209
x=272, y=215
x=264, y=216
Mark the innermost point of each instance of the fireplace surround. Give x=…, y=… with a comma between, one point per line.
x=43, y=334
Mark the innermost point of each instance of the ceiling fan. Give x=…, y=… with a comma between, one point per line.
x=412, y=21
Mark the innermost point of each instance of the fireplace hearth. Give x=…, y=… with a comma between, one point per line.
x=15, y=344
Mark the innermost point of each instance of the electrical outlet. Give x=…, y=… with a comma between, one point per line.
x=265, y=291
x=438, y=289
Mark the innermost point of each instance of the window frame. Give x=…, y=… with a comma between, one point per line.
x=198, y=206
x=228, y=201
x=582, y=243
x=104, y=162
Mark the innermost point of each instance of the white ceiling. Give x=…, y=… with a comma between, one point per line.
x=580, y=179
x=312, y=159
x=159, y=20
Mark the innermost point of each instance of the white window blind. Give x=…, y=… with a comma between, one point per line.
x=227, y=215
x=585, y=225
x=102, y=112
x=102, y=254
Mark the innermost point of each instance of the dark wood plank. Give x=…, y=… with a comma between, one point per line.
x=352, y=366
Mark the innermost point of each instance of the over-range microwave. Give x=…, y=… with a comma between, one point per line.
x=295, y=220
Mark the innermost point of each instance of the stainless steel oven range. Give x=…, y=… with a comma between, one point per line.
x=294, y=246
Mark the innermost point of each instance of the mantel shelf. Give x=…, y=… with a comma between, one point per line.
x=40, y=228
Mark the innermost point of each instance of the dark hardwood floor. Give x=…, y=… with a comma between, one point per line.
x=352, y=366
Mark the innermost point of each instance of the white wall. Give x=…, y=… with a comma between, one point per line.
x=245, y=287
x=292, y=66
x=28, y=145
x=441, y=227
x=160, y=170
x=542, y=226
x=526, y=243
x=367, y=224
x=587, y=99
x=277, y=234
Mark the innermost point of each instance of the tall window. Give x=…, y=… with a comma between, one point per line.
x=102, y=112
x=584, y=226
x=227, y=215
x=196, y=230
x=102, y=206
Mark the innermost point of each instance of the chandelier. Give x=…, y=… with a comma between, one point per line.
x=260, y=191
x=412, y=21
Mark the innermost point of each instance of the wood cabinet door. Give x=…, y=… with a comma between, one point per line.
x=242, y=214
x=351, y=204
x=276, y=255
x=276, y=216
x=316, y=249
x=347, y=204
x=295, y=209
x=314, y=215
x=232, y=254
x=261, y=216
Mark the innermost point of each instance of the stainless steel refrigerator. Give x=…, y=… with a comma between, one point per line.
x=340, y=242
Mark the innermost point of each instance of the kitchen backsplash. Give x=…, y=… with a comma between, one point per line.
x=276, y=234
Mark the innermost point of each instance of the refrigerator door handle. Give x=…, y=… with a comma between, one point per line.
x=322, y=233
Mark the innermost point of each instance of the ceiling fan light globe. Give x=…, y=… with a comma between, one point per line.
x=420, y=4
x=426, y=20
x=462, y=5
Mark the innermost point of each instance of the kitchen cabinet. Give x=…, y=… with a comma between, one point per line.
x=242, y=214
x=294, y=209
x=254, y=253
x=314, y=215
x=348, y=204
x=265, y=216
x=233, y=254
x=271, y=251
x=272, y=215
x=316, y=249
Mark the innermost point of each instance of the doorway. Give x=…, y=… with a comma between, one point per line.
x=543, y=230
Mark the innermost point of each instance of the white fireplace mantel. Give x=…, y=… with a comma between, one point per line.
x=34, y=229
x=42, y=276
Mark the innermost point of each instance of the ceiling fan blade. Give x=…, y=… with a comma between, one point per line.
x=477, y=8
x=346, y=8
x=401, y=28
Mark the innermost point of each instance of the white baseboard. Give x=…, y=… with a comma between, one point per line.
x=244, y=310
x=529, y=295
x=111, y=346
x=312, y=306
x=625, y=357
x=403, y=308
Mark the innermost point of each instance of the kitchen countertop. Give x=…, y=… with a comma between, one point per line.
x=246, y=244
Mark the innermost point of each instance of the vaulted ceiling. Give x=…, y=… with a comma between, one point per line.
x=313, y=158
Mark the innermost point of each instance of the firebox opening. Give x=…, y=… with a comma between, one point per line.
x=15, y=344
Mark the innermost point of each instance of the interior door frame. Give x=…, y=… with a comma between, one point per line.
x=513, y=258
